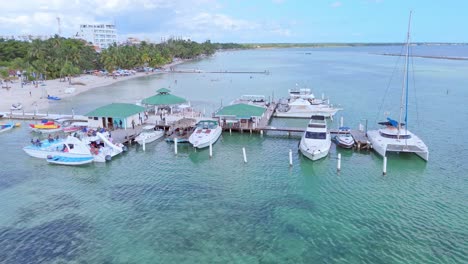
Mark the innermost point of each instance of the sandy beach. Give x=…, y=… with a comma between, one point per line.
x=35, y=98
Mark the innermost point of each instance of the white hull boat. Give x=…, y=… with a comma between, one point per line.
x=390, y=140
x=149, y=135
x=316, y=141
x=70, y=161
x=17, y=106
x=303, y=108
x=70, y=147
x=344, y=139
x=6, y=127
x=207, y=132
x=106, y=150
x=395, y=136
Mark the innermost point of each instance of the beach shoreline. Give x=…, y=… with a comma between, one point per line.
x=34, y=98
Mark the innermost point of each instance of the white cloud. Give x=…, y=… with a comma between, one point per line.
x=198, y=19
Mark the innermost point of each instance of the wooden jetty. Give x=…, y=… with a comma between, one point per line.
x=229, y=72
x=360, y=140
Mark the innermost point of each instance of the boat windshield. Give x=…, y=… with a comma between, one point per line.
x=316, y=135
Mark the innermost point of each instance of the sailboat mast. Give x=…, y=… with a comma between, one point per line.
x=404, y=88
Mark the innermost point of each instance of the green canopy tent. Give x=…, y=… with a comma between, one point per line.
x=163, y=98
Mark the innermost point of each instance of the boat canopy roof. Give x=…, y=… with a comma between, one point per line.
x=391, y=122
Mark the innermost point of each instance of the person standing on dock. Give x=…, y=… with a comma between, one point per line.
x=133, y=123
x=120, y=123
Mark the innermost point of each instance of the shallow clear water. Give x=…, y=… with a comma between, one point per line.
x=156, y=207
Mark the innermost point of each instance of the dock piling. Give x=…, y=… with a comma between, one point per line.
x=175, y=146
x=230, y=131
x=385, y=165
x=341, y=121
x=245, y=155
x=261, y=132
x=290, y=158
x=211, y=149
x=338, y=166
x=144, y=144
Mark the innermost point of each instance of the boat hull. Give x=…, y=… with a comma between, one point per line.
x=344, y=142
x=205, y=142
x=149, y=137
x=307, y=114
x=383, y=145
x=73, y=161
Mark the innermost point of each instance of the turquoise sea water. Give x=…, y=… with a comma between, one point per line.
x=156, y=207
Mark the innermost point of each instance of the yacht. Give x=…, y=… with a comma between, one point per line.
x=258, y=100
x=316, y=141
x=394, y=136
x=206, y=132
x=303, y=104
x=149, y=135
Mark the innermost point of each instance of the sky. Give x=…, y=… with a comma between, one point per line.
x=245, y=21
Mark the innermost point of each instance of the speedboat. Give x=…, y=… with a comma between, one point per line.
x=395, y=136
x=70, y=147
x=315, y=143
x=149, y=135
x=70, y=161
x=102, y=148
x=207, y=132
x=343, y=138
x=17, y=106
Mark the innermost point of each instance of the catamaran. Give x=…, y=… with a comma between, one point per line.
x=316, y=141
x=395, y=136
x=207, y=132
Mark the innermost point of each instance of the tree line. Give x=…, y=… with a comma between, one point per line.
x=58, y=57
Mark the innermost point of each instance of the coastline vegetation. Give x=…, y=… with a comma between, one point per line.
x=58, y=57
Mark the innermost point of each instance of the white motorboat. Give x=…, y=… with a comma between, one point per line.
x=303, y=104
x=315, y=143
x=103, y=149
x=302, y=108
x=258, y=100
x=395, y=136
x=206, y=132
x=17, y=106
x=70, y=161
x=149, y=135
x=70, y=147
x=343, y=138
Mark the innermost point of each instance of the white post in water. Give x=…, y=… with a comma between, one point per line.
x=261, y=133
x=230, y=131
x=211, y=149
x=245, y=155
x=341, y=121
x=175, y=146
x=385, y=165
x=144, y=144
x=338, y=166
x=290, y=157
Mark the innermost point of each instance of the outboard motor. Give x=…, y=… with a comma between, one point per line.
x=108, y=157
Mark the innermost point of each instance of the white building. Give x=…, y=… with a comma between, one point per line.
x=102, y=35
